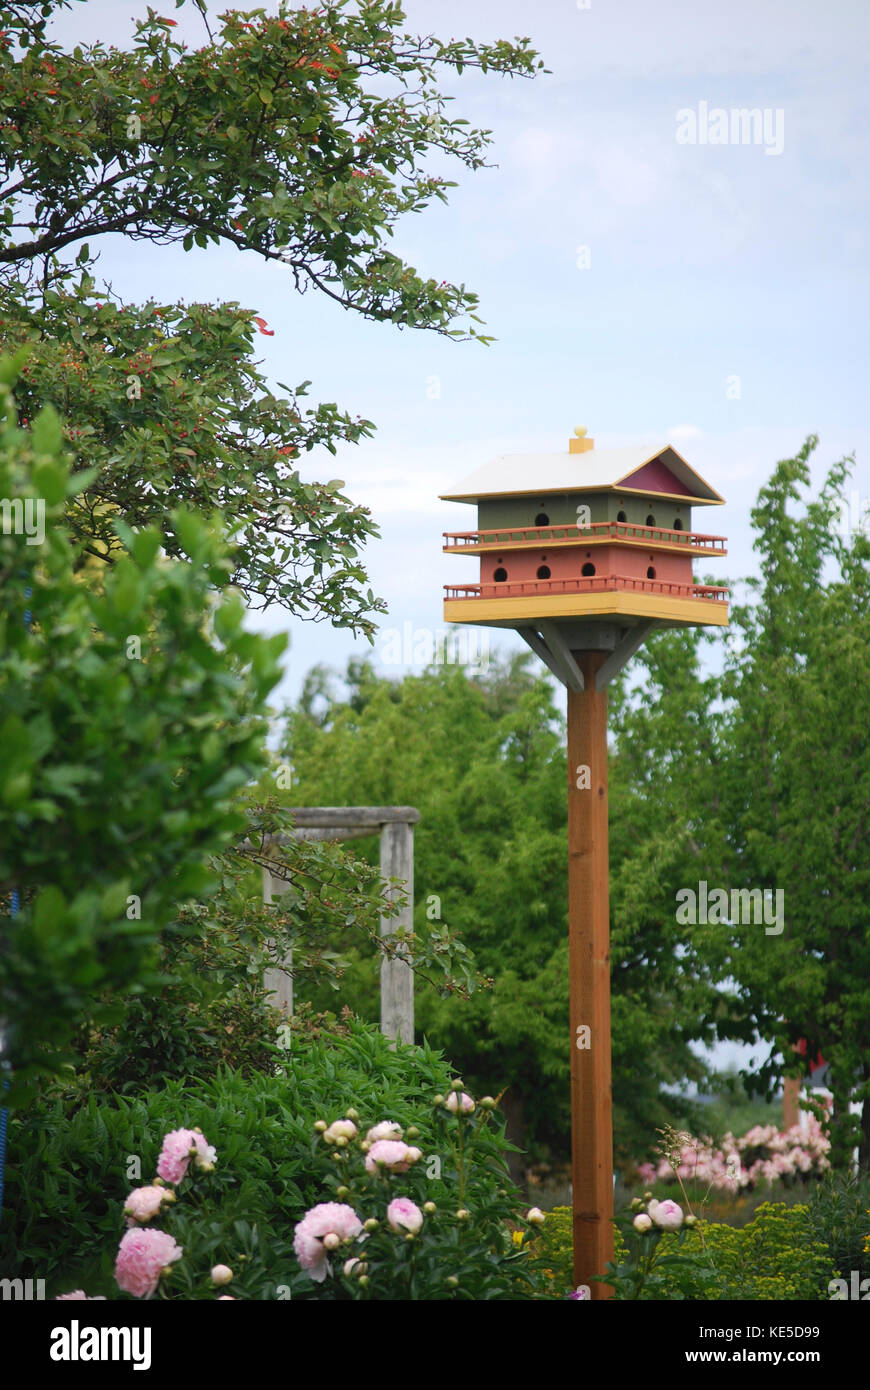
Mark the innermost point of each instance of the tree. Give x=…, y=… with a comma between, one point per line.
x=798, y=682
x=758, y=779
x=302, y=136
x=483, y=759
x=130, y=718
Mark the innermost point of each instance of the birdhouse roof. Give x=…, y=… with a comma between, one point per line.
x=637, y=469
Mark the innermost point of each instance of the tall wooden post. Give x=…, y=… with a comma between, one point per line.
x=397, y=977
x=791, y=1099
x=589, y=968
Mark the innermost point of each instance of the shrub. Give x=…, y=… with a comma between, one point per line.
x=778, y=1255
x=72, y=1164
x=764, y=1155
x=839, y=1213
x=130, y=715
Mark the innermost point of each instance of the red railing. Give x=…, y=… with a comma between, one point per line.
x=692, y=540
x=590, y=584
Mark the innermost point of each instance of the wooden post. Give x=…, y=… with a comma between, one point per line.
x=791, y=1095
x=397, y=978
x=589, y=969
x=278, y=982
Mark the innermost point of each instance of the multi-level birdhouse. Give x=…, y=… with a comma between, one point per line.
x=599, y=536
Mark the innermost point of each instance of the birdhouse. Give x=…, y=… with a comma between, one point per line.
x=591, y=548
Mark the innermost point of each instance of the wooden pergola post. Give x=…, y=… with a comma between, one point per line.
x=395, y=826
x=397, y=977
x=589, y=970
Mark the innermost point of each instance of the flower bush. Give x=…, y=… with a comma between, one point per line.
x=378, y=1242
x=75, y=1161
x=763, y=1156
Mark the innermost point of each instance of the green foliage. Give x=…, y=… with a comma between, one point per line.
x=120, y=762
x=297, y=135
x=213, y=1007
x=839, y=1214
x=67, y=1174
x=798, y=803
x=165, y=407
x=301, y=137
x=780, y=1255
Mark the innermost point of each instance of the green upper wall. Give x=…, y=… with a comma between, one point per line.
x=561, y=510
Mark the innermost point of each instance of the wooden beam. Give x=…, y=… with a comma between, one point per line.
x=560, y=649
x=589, y=972
x=622, y=654
x=540, y=648
x=332, y=816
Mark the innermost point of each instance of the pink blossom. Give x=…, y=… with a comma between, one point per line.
x=78, y=1294
x=387, y=1129
x=144, y=1203
x=404, y=1215
x=459, y=1101
x=142, y=1257
x=179, y=1146
x=340, y=1129
x=392, y=1154
x=327, y=1218
x=666, y=1215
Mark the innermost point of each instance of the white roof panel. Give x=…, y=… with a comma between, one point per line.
x=510, y=475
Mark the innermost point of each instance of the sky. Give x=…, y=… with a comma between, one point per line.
x=652, y=288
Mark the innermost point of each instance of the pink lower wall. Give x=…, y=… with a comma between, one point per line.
x=567, y=562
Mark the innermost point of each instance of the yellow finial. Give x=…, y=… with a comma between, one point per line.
x=580, y=444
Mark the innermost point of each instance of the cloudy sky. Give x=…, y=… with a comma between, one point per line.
x=711, y=295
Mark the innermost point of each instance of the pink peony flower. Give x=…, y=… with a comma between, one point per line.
x=392, y=1154
x=179, y=1146
x=387, y=1129
x=459, y=1101
x=340, y=1129
x=642, y=1222
x=666, y=1215
x=78, y=1294
x=222, y=1274
x=144, y=1203
x=404, y=1215
x=582, y=1294
x=143, y=1255
x=327, y=1218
